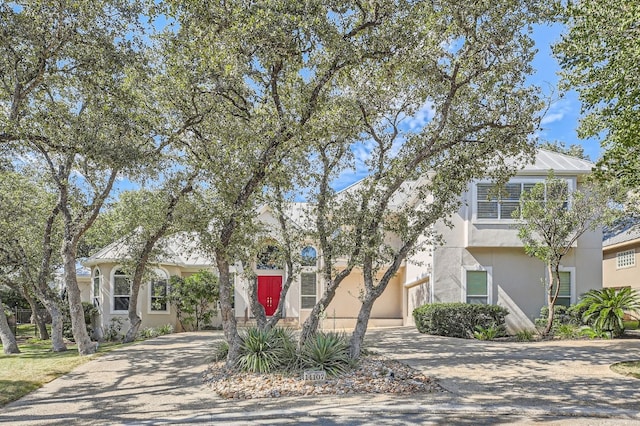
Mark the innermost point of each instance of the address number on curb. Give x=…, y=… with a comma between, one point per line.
x=313, y=376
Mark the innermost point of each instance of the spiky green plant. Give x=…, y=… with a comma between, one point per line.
x=606, y=308
x=263, y=351
x=326, y=351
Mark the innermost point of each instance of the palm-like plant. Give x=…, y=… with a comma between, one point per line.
x=606, y=307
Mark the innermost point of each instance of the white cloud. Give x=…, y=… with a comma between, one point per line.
x=550, y=118
x=422, y=116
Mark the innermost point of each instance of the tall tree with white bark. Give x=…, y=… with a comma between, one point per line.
x=72, y=82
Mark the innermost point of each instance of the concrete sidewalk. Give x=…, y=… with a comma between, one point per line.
x=159, y=382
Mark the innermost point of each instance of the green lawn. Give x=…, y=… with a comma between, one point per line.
x=23, y=373
x=628, y=368
x=631, y=325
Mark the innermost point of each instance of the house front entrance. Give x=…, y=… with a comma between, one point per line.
x=269, y=288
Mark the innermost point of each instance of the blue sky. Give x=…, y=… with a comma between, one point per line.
x=559, y=123
x=562, y=118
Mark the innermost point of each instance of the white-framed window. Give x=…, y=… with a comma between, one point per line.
x=121, y=291
x=567, y=294
x=158, y=291
x=309, y=256
x=493, y=204
x=477, y=285
x=269, y=258
x=308, y=290
x=95, y=287
x=626, y=259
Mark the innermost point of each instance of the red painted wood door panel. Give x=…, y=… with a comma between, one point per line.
x=269, y=288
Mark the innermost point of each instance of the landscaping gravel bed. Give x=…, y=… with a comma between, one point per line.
x=374, y=374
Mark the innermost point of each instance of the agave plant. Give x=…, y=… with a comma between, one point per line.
x=606, y=308
x=263, y=351
x=326, y=351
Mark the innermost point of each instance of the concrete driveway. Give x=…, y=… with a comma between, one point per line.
x=555, y=375
x=159, y=382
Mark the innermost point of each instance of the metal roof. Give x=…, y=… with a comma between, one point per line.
x=546, y=160
x=621, y=232
x=182, y=249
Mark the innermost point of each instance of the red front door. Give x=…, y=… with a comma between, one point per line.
x=269, y=288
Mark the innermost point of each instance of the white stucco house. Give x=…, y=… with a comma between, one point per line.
x=482, y=261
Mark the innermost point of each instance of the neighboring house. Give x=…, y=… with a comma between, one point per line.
x=482, y=260
x=621, y=256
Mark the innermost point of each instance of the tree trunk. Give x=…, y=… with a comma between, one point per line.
x=55, y=311
x=256, y=307
x=310, y=326
x=134, y=318
x=78, y=325
x=357, y=337
x=552, y=296
x=9, y=344
x=229, y=323
x=41, y=325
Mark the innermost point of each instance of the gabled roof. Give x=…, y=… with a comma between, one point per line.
x=182, y=249
x=546, y=160
x=621, y=232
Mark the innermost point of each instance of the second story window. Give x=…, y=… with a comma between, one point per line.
x=309, y=256
x=500, y=203
x=269, y=258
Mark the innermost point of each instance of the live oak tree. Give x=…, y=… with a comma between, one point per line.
x=599, y=56
x=551, y=220
x=30, y=239
x=8, y=339
x=143, y=218
x=260, y=76
x=454, y=109
x=70, y=91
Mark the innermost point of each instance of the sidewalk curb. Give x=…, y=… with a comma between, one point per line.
x=417, y=409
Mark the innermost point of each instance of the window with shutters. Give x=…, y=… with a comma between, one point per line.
x=492, y=203
x=308, y=290
x=564, y=296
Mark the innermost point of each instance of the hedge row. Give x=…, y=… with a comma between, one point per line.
x=458, y=319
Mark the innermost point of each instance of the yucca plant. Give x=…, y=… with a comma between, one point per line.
x=606, y=307
x=326, y=351
x=263, y=351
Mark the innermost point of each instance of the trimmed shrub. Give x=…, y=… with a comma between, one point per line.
x=458, y=319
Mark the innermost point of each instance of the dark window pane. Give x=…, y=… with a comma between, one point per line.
x=121, y=303
x=159, y=288
x=121, y=285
